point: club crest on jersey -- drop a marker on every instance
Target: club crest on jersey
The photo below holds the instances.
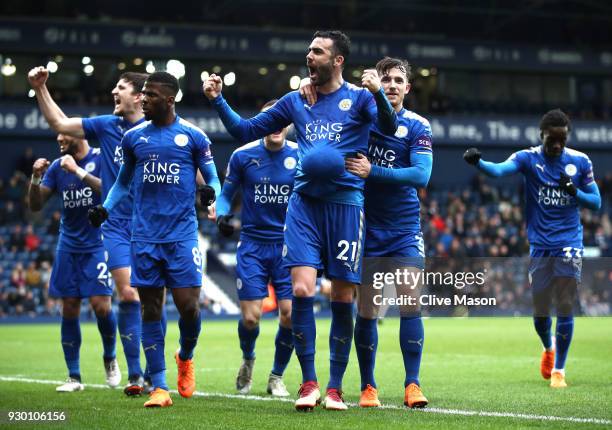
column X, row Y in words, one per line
column 570, row 170
column 290, row 163
column 90, row 167
column 402, row 131
column 345, row 104
column 181, row 139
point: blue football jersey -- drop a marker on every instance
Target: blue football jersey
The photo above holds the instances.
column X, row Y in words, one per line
column 266, row 180
column 341, row 120
column 76, row 234
column 393, row 206
column 552, row 215
column 108, row 130
column 165, row 160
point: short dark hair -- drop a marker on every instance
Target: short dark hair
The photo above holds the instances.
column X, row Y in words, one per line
column 269, row 103
column 342, row 43
column 555, row 118
column 136, row 79
column 165, row 79
column 388, row 63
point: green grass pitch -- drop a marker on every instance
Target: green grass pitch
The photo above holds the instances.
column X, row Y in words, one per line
column 469, row 366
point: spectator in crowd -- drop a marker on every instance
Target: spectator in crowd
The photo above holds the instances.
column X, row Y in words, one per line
column 25, row 162
column 15, row 191
column 10, row 213
column 18, row 276
column 31, row 241
column 17, row 239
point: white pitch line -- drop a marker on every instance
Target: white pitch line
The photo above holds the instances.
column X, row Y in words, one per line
column 461, row 412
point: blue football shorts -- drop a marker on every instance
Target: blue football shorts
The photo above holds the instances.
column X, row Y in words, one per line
column 324, row 235
column 260, row 263
column 547, row 264
column 117, row 236
column 406, row 248
column 80, row 274
column 170, row 265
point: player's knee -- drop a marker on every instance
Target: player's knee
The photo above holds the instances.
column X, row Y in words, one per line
column 301, row 289
column 565, row 309
column 71, row 309
column 101, row 307
column 343, row 294
column 127, row 293
column 190, row 311
column 250, row 321
column 285, row 319
column 151, row 313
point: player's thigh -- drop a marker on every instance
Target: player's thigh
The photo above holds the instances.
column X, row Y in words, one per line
column 342, row 291
column 565, row 290
column 304, row 281
column 183, row 264
column 370, row 292
column 146, row 265
column 410, row 289
column 71, row 307
column 284, row 312
column 151, row 302
column 303, row 243
column 187, row 301
column 540, row 279
column 252, row 273
column 280, row 276
column 567, row 263
column 121, row 276
column 344, row 233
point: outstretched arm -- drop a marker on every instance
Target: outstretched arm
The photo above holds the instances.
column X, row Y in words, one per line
column 245, row 130
column 495, row 170
column 56, row 118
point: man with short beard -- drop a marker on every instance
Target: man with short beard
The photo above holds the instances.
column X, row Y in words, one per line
column 79, row 270
column 325, row 221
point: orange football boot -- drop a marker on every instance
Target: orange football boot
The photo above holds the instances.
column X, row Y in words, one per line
column 557, row 380
column 547, row 363
column 369, row 398
column 185, row 380
column 413, row 397
column 159, row 398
